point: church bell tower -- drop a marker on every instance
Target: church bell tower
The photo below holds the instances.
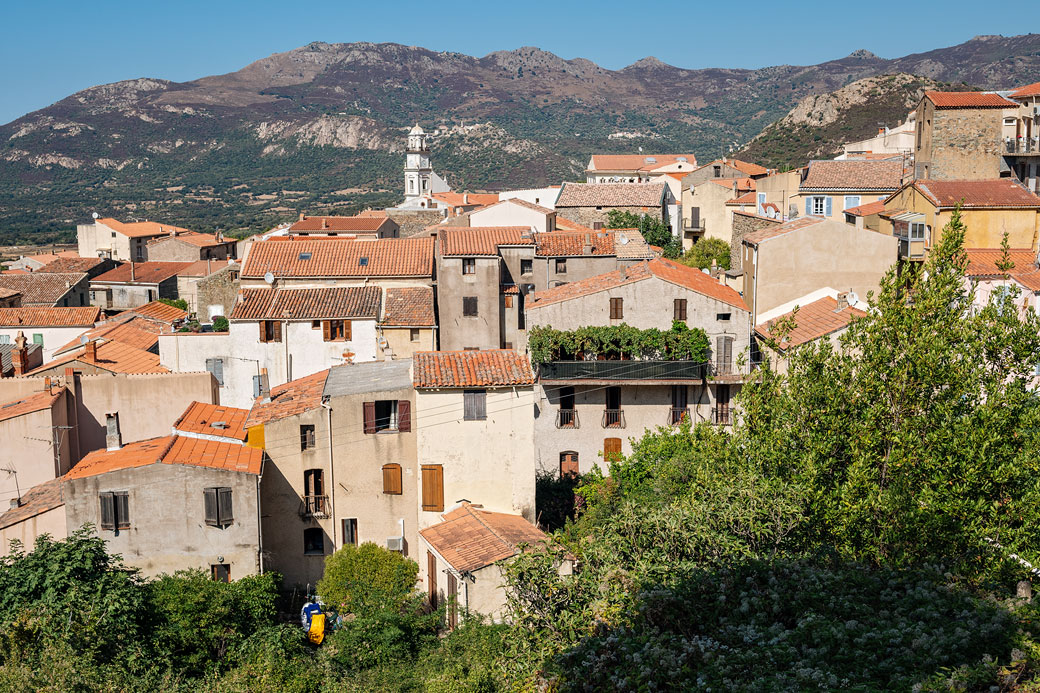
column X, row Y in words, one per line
column 418, row 174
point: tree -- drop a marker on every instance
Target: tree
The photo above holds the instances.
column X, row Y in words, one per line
column 701, row 254
column 654, row 231
column 175, row 302
column 367, row 579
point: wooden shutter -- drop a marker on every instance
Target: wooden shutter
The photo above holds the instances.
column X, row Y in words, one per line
column 392, row 479
column 404, row 416
column 370, row 417
column 509, row 301
column 263, row 330
column 453, row 599
column 326, row 330
column 347, row 330
column 108, row 513
column 474, row 405
column 277, row 331
column 680, row 309
column 122, row 508
column 433, row 488
column 568, row 464
column 218, row 371
column 611, row 449
column 617, row 311
column 431, row 578
column 227, row 516
column 210, row 495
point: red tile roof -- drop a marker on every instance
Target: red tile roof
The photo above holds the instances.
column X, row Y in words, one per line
column 50, row 317
column 471, row 538
column 667, row 270
column 369, row 223
column 814, row 320
column 199, row 418
column 409, row 307
column 199, row 240
column 34, row 502
column 140, row 333
column 157, row 310
column 867, row 210
column 611, row 195
column 994, row 192
column 290, row 399
column 853, row 175
column 524, row 203
column 565, row 224
column 42, row 288
column 307, row 304
column 29, row 404
column 72, row 265
column 756, row 237
column 466, row 199
column 139, row 229
column 570, row 244
column 204, row 268
column 638, row 162
column 480, row 240
column 484, row 368
column 141, row 273
column 745, row 167
column 982, row 262
column 195, row 452
column 1026, row 91
column 748, row 198
column 114, row 357
column 362, row 257
column 968, row 99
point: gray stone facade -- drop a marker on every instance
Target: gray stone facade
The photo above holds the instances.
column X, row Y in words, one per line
column 219, row 288
column 743, row 224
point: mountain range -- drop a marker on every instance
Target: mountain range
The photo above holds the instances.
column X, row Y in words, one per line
column 321, row 128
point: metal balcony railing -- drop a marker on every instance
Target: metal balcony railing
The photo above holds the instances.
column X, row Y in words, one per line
column 676, row 415
column 613, row 418
column 623, row 370
column 567, row 418
column 1020, row 145
column 693, row 225
column 315, row 506
column 720, row 416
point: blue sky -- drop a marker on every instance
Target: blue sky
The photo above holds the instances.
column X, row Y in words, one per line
column 50, row 49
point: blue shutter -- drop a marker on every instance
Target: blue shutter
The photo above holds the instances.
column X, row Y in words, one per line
column 827, row 211
column 808, row 206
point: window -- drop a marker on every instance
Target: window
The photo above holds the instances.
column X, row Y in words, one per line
column 611, row 449
column 305, row 256
column 5, row 339
column 724, row 354
column 561, row 265
column 350, row 531
column 679, row 312
column 270, row 331
column 392, row 479
column 313, row 492
column 469, row 306
column 306, row 436
column 469, row 265
column 568, row 464
column 220, row 572
column 723, row 317
column 115, row 510
column 218, row 507
column 216, row 367
column 390, row 415
column 37, row 338
column 336, row 330
column 315, row 324
column 314, row 541
column 526, row 266
column 568, row 417
column 917, row 232
column 433, row 488
column 617, row 308
column 851, row 201
column 680, row 402
column 819, row 206
column 716, row 171
column 474, row 405
column 413, row 334
column 612, row 417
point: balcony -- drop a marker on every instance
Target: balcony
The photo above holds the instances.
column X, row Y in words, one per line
column 720, row 416
column 676, row 415
column 1020, row 146
column 567, row 418
column 315, row 506
column 911, row 249
column 693, row 226
column 613, row 418
column 623, row 370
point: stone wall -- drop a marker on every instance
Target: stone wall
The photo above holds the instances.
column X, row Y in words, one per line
column 414, row 222
column 965, row 144
column 587, row 216
column 220, row 287
column 743, row 224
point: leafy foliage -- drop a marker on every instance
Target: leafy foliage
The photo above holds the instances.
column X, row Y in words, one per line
column 654, row 231
column 704, row 251
column 175, row 302
column 220, row 324
column 367, row 579
column 681, row 343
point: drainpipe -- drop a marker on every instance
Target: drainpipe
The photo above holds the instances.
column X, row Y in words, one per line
column 332, row 473
column 259, row 523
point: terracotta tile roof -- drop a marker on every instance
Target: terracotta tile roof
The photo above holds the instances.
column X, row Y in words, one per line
column 373, row 213
column 667, row 270
column 72, row 265
column 140, row 229
column 194, row 452
column 1026, row 91
column 480, row 240
column 742, row 183
column 307, row 304
column 510, row 290
column 84, row 316
column 471, row 538
column 204, row 268
column 982, row 264
column 47, row 258
column 34, row 352
column 15, row 271
column 565, row 224
column 611, row 195
column 114, row 357
column 524, row 203
column 41, row 288
column 756, row 237
column 472, row 199
column 157, row 310
column 143, row 272
column 29, row 404
column 814, row 320
column 36, row 501
column 8, row 293
column 748, row 198
column 570, row 244
column 745, row 167
column 369, row 223
column 290, row 399
column 484, row 368
column 199, row 418
column 876, row 207
column 140, row 333
column 995, row 192
column 853, row 175
column 968, row 99
column 384, row 257
column 638, row 162
column 409, row 307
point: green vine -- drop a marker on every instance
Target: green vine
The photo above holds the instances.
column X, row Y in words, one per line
column 618, row 342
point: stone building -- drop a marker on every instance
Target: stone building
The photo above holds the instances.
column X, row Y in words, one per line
column 49, row 289
column 216, row 293
column 960, row 135
column 188, row 246
column 122, row 242
column 589, row 203
column 134, row 284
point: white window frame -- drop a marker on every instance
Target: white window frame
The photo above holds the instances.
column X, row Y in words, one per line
column 857, row 198
column 917, row 231
column 819, row 205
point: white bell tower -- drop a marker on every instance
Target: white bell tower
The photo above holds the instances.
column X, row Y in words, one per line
column 418, row 174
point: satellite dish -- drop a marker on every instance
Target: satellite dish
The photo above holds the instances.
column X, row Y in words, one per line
column 95, row 215
column 623, row 240
column 852, row 298
column 269, row 278
column 83, row 339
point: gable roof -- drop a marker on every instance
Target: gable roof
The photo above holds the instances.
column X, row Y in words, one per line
column 748, row 198
column 667, row 270
column 73, row 265
column 139, row 229
column 36, row 501
column 84, row 316
column 141, row 273
column 982, row 262
column 871, row 208
column 756, row 237
column 193, row 238
column 471, row 538
column 6, row 359
column 199, row 419
column 813, row 320
column 357, row 257
column 745, row 167
column 140, row 333
column 611, row 195
column 115, row 357
column 1026, row 91
column 307, row 304
column 42, row 288
column 29, row 404
column 289, row 399
column 604, row 242
column 409, row 307
column 157, row 310
column 994, row 192
column 968, row 99
column 475, row 368
column 230, row 456
column 204, row 268
column 481, row 240
column 639, row 162
column 367, row 222
column 466, row 199
column 853, row 175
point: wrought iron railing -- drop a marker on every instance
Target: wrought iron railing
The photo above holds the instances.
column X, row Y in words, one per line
column 567, row 418
column 1021, row 145
column 613, row 418
column 623, row 370
column 315, row 506
column 721, row 416
column 676, row 415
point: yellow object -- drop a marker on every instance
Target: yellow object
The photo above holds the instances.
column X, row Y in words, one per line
column 317, row 632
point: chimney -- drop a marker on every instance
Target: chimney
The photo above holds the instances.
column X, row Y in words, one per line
column 843, row 301
column 586, row 248
column 263, row 386
column 16, row 503
column 113, row 438
column 20, row 355
column 219, row 235
column 302, row 216
column 133, row 274
column 324, row 222
column 91, row 351
column 465, row 198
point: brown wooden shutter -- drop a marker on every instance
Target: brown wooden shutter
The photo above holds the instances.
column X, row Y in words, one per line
column 680, row 309
column 210, row 496
column 346, row 330
column 326, row 330
column 617, row 311
column 404, row 416
column 108, row 513
column 370, row 417
column 227, row 516
column 568, row 464
column 509, row 301
column 392, row 479
column 433, row 488
column 263, row 330
column 431, row 578
column 122, row 503
column 277, row 331
column 453, row 599
column 611, row 449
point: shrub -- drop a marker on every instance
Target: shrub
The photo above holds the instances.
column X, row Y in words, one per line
column 383, row 637
column 175, row 302
column 706, row 250
column 367, row 579
column 220, row 324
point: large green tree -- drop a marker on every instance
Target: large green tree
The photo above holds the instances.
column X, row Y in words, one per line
column 653, row 229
